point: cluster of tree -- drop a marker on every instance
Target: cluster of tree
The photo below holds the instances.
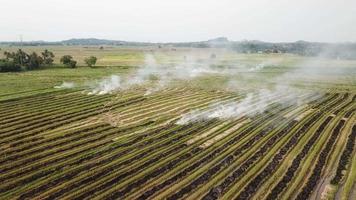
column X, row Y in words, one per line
column 68, row 61
column 20, row 60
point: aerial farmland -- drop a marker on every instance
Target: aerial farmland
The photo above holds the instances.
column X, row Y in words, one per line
column 169, row 124
column 173, row 100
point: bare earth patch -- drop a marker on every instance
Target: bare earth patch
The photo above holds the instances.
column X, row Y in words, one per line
column 224, row 134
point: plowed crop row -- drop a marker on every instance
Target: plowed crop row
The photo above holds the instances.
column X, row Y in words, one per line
column 67, row 145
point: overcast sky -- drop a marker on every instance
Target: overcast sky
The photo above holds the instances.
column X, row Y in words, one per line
column 179, row 20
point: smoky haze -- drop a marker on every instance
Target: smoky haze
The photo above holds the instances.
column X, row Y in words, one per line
column 178, row 21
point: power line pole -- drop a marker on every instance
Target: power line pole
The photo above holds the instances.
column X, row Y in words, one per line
column 21, row 50
column 21, row 40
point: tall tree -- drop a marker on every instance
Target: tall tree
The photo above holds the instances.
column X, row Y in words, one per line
column 47, row 57
column 34, row 61
column 21, row 57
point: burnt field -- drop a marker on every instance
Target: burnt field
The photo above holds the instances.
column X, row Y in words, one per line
column 65, row 144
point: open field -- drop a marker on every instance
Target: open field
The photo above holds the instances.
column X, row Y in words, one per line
column 65, row 143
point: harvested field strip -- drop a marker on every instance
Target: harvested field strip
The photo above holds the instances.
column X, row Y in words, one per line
column 347, row 190
column 352, row 101
column 48, row 141
column 324, row 188
column 278, row 159
column 40, row 116
column 18, row 111
column 51, row 160
column 33, row 98
column 170, row 164
column 296, row 162
column 118, row 119
column 17, row 142
column 21, row 95
column 177, row 110
column 158, row 99
column 51, row 135
column 50, row 103
column 318, row 168
column 56, row 157
column 34, row 119
column 18, row 151
column 174, row 119
column 32, row 103
column 129, row 171
column 212, row 169
column 304, row 171
column 169, row 109
column 73, row 161
column 243, row 134
column 187, row 169
column 156, row 108
column 174, row 178
column 85, row 104
column 49, row 114
column 348, row 113
column 153, row 103
column 274, row 134
column 238, row 171
column 105, row 133
column 252, row 187
column 278, row 188
column 345, row 156
column 114, row 164
column 56, row 122
column 22, row 92
column 228, row 182
column 224, row 134
column 165, row 182
column 44, row 110
column 206, row 134
column 129, row 147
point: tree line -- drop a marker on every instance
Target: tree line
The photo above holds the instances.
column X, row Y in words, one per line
column 22, row 61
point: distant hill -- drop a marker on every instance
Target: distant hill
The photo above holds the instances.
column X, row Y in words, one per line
column 336, row 50
column 91, row 41
column 95, row 41
column 79, row 41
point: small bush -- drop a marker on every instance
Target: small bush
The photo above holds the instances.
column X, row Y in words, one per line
column 73, row 64
column 91, row 61
column 9, row 66
column 68, row 61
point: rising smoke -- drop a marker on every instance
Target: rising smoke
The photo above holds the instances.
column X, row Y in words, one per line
column 288, row 88
column 249, row 106
column 65, row 85
column 155, row 76
column 107, row 85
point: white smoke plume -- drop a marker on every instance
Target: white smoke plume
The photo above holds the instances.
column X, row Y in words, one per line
column 107, row 85
column 258, row 67
column 155, row 75
column 65, row 85
column 251, row 105
column 291, row 87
